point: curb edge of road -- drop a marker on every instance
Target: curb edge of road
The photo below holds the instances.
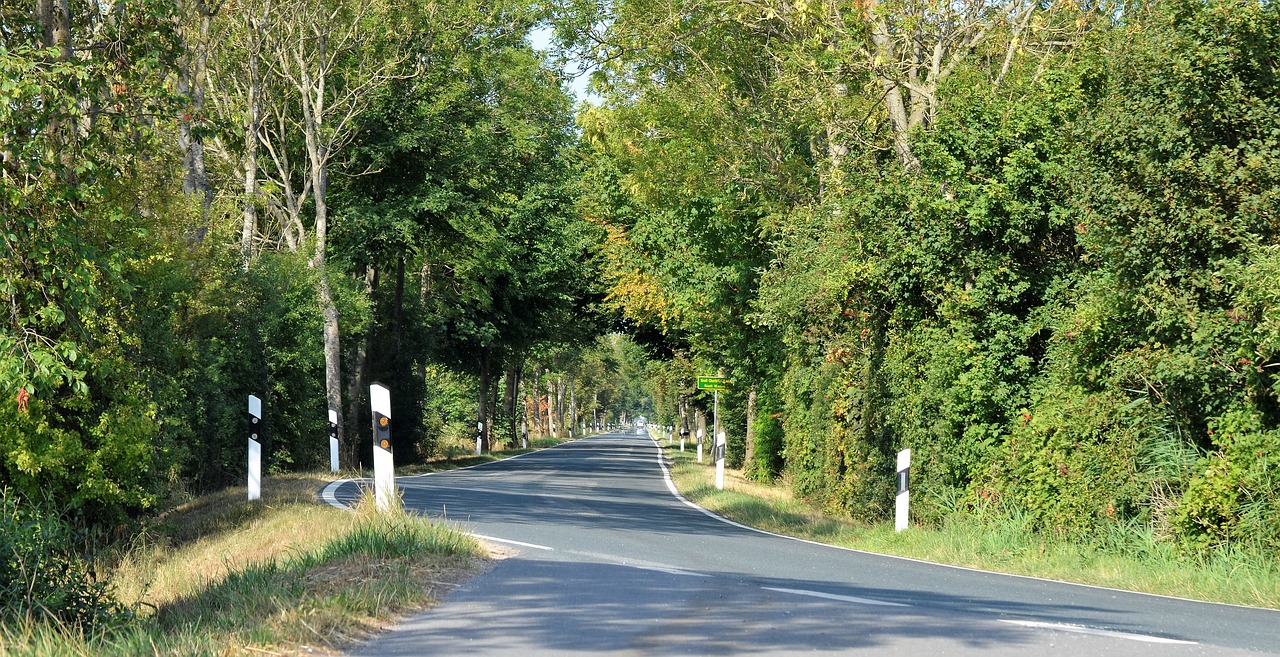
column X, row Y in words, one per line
column 671, row 486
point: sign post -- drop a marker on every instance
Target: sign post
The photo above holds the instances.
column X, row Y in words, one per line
column 479, row 438
column 333, row 440
column 255, row 448
column 716, row 384
column 384, row 468
column 904, row 486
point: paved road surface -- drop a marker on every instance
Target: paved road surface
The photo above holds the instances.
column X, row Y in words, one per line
column 610, row 562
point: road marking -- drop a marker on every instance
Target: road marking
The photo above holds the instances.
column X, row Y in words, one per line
column 671, row 486
column 669, row 571
column 1081, row 629
column 511, row 542
column 832, row 596
column 330, row 494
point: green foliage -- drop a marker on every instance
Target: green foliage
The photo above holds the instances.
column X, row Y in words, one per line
column 43, row 574
column 1071, row 467
column 1052, row 310
column 766, row 462
column 1233, row 495
column 212, row 336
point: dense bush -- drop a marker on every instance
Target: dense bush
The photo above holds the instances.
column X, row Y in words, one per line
column 1071, row 307
column 43, row 574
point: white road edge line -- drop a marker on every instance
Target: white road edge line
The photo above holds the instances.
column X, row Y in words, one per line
column 669, row 571
column 841, row 598
column 510, row 542
column 666, row 475
column 1082, row 629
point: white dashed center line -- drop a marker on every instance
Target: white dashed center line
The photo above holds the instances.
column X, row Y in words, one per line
column 1080, row 629
column 832, row 596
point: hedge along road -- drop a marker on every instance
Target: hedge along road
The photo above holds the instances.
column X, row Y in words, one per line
column 609, row 560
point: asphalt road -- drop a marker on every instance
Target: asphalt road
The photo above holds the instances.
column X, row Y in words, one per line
column 610, row 562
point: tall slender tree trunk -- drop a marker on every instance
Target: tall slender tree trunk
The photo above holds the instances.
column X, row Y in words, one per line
column 483, row 412
column 192, row 79
column 252, row 130
column 551, row 408
column 359, row 379
column 573, row 409
column 560, row 405
column 313, row 109
column 398, row 316
column 510, row 401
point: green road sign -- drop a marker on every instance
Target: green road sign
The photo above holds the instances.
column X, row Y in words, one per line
column 713, row 383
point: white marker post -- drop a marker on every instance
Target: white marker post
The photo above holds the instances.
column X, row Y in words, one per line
column 524, row 434
column 255, row 448
column 333, row 440
column 904, row 485
column 384, row 466
column 479, row 438
column 699, row 444
column 720, row 449
column 684, row 435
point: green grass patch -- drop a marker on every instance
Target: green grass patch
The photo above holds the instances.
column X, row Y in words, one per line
column 1130, row 557
column 287, row 575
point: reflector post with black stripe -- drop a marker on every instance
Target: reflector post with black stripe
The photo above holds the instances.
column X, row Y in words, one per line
column 384, row 469
column 904, row 490
column 333, row 440
column 255, row 448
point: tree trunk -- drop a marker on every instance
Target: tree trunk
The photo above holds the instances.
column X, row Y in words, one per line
column 751, row 428
column 509, row 401
column 551, row 408
column 398, row 316
column 44, row 16
column 483, row 412
column 573, row 410
column 318, row 156
column 359, row 381
column 560, row 406
column 192, row 80
column 252, row 128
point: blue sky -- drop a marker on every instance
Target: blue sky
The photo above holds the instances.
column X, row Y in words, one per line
column 540, row 38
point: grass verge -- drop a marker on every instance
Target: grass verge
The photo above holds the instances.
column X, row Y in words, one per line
column 284, row 576
column 1132, row 559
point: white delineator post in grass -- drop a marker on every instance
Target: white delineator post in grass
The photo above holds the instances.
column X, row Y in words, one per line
column 333, row 440
column 255, row 448
column 479, row 438
column 699, row 444
column 904, row 486
column 720, row 450
column 384, row 467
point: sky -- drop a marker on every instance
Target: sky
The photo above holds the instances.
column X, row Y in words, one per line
column 540, row 38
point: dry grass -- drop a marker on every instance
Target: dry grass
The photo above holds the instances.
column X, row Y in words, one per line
column 220, row 576
column 201, row 541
